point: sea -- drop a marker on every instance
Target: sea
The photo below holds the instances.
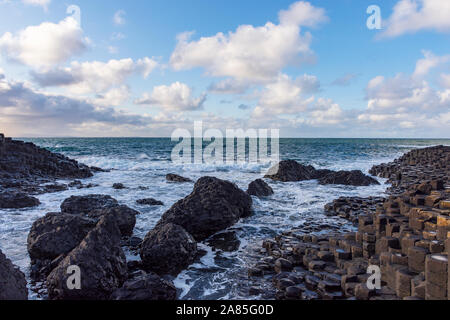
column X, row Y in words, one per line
column 144, row 162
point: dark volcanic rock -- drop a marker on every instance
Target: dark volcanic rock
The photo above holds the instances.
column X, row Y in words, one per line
column 118, row 186
column 17, row 200
column 348, row 178
column 149, row 202
column 212, row 206
column 13, row 285
column 168, row 249
column 259, row 188
column 57, row 234
column 95, row 206
column 24, row 166
column 176, row 178
column 125, row 217
column 226, row 241
column 86, row 204
column 146, row 287
column 290, row 170
column 101, row 261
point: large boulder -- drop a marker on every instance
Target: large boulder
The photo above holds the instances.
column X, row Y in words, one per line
column 349, row 178
column 101, row 262
column 13, row 285
column 86, row 204
column 149, row 202
column 146, row 287
column 56, row 234
column 168, row 249
column 17, row 200
column 259, row 188
column 292, row 171
column 95, row 206
column 212, row 206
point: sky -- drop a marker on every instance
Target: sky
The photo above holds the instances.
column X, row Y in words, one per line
column 146, row 68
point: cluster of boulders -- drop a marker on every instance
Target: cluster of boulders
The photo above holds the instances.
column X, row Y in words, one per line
column 90, row 231
column 407, row 236
column 213, row 206
column 415, row 167
column 27, row 170
column 292, row 171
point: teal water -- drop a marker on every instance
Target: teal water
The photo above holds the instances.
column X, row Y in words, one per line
column 138, row 162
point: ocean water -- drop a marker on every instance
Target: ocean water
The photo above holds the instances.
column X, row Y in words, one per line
column 144, row 162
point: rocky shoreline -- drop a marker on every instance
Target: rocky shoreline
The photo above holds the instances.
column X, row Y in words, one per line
column 309, row 262
column 406, row 235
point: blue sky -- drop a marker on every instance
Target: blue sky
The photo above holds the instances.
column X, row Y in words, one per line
column 313, row 70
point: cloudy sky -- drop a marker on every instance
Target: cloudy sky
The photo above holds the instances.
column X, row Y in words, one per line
column 146, row 68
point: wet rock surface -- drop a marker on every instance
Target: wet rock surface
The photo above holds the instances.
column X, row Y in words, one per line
column 348, row 178
column 17, row 200
column 176, row 178
column 292, row 171
column 24, row 167
column 212, row 206
column 351, row 208
column 86, row 204
column 259, row 188
column 168, row 249
column 149, row 202
column 13, row 285
column 101, row 261
column 146, row 287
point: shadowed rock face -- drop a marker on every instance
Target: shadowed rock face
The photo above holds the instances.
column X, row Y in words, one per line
column 17, row 200
column 101, row 261
column 259, row 188
column 212, row 206
column 57, row 234
column 13, row 285
column 348, row 178
column 168, row 249
column 146, row 287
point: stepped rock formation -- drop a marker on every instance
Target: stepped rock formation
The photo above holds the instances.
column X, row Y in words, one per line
column 407, row 236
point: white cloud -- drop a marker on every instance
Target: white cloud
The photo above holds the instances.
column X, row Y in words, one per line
column 287, row 96
column 25, row 110
column 253, row 54
column 177, row 96
column 410, row 16
column 114, row 97
column 41, row 3
column 44, row 45
column 95, row 76
column 430, row 61
column 228, row 86
column 302, row 13
column 119, row 18
column 444, row 80
column 408, row 102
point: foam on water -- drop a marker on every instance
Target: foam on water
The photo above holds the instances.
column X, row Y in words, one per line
column 145, row 163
